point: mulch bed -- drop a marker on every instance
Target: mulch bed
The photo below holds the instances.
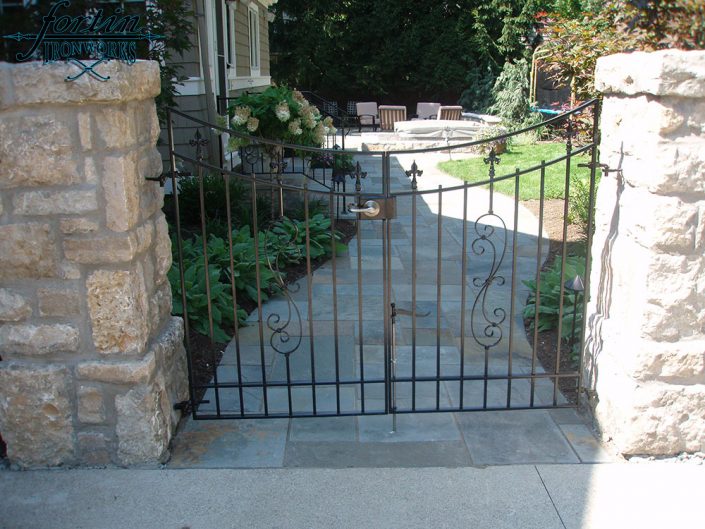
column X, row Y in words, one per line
column 547, row 343
column 205, row 355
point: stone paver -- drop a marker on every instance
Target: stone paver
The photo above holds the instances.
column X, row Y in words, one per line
column 433, row 349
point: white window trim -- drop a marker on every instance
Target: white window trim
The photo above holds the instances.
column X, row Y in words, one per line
column 253, row 8
column 231, row 51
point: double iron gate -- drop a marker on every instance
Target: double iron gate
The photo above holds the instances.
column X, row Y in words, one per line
column 424, row 309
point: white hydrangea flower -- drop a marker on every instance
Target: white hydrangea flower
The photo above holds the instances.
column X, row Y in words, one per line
column 252, row 124
column 242, row 114
column 282, row 111
column 295, row 127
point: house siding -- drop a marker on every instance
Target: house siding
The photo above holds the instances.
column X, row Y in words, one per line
column 263, row 42
column 242, row 41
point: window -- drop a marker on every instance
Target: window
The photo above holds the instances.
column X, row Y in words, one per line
column 254, row 41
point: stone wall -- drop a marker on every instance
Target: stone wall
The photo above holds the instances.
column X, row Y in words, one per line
column 92, row 360
column 646, row 318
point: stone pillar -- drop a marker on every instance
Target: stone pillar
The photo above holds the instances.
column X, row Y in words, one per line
column 645, row 344
column 92, row 361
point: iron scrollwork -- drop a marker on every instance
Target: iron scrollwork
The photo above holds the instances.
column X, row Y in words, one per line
column 282, row 340
column 488, row 240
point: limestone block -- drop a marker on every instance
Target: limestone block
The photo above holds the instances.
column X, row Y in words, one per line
column 77, row 225
column 670, row 226
column 116, row 127
column 38, row 339
column 69, row 270
column 91, row 408
column 93, row 448
column 58, row 302
column 85, row 133
column 142, row 425
column 650, row 417
column 159, row 305
column 121, row 191
column 127, row 372
column 35, row 414
column 2, row 208
column 118, row 308
column 36, row 83
column 679, row 362
column 661, row 73
column 674, row 306
column 149, row 164
column 151, row 199
column 171, row 356
column 36, row 149
column 13, row 306
column 146, row 122
column 55, row 202
column 27, row 250
column 7, row 99
column 113, row 248
column 162, row 250
column 90, row 171
column 143, row 236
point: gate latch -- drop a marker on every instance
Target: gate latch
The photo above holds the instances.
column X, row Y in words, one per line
column 375, row 208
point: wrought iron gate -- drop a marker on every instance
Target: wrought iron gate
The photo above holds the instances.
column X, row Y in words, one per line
column 424, row 310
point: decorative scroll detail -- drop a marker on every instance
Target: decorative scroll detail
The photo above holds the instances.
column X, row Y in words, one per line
column 488, row 240
column 282, row 340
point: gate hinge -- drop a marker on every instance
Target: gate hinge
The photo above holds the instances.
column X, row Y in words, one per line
column 162, row 177
column 186, row 405
column 606, row 169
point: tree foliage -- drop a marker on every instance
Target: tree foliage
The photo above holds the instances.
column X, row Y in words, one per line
column 574, row 42
column 399, row 51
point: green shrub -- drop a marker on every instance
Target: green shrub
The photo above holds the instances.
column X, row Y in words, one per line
column 579, row 203
column 511, row 93
column 214, row 199
column 284, row 244
column 551, row 295
column 197, row 299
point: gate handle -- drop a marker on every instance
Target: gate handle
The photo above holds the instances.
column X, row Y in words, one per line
column 370, row 208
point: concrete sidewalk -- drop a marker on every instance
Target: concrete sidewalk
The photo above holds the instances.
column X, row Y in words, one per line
column 626, row 495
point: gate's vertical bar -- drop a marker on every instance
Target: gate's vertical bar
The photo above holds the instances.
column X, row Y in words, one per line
column 358, row 189
column 236, row 336
column 393, row 388
column 309, row 282
column 206, row 272
column 180, row 251
column 258, row 281
column 512, row 302
column 336, row 345
column 537, row 299
column 588, row 251
column 386, row 244
column 414, row 188
column 439, row 279
column 564, row 255
column 463, row 293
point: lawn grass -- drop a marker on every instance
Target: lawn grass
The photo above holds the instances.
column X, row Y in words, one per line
column 523, row 156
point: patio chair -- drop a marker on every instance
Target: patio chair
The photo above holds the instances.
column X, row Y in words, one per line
column 450, row 112
column 389, row 115
column 427, row 110
column 367, row 115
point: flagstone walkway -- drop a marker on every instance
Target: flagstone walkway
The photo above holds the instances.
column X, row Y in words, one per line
column 344, row 345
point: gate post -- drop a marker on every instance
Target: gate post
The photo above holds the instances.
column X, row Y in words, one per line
column 645, row 342
column 92, row 361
